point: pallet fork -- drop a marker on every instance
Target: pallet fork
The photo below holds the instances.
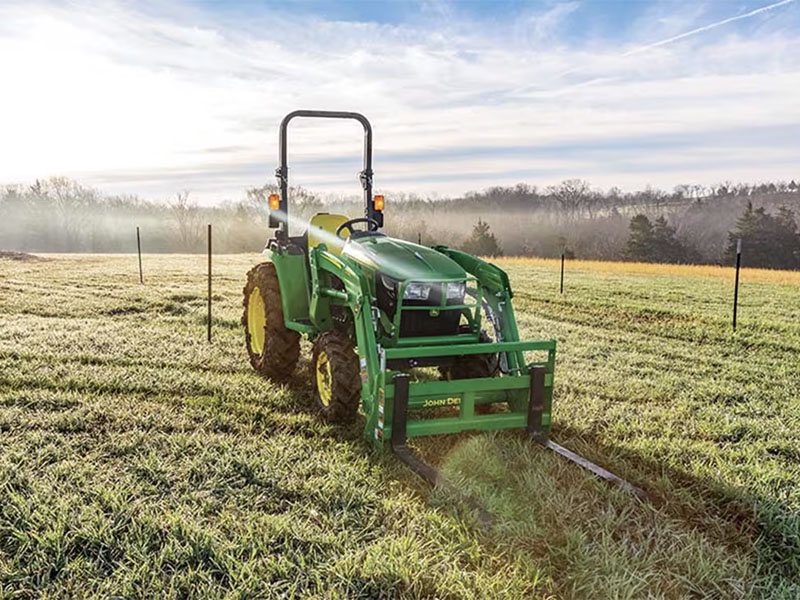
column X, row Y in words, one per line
column 535, row 431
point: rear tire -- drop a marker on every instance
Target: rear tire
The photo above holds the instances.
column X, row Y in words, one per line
column 336, row 377
column 273, row 349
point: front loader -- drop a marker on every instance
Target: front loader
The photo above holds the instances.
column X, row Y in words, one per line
column 422, row 339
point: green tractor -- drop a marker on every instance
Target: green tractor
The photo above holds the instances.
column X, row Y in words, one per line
column 379, row 310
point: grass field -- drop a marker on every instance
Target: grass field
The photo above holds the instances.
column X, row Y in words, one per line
column 137, row 460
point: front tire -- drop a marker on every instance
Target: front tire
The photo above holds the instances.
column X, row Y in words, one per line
column 336, row 377
column 473, row 366
column 273, row 349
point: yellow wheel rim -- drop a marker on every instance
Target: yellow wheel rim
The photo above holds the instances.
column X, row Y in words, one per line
column 324, row 379
column 256, row 321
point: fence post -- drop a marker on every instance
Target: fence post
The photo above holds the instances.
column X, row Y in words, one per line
column 419, row 238
column 736, row 285
column 562, row 271
column 209, row 283
column 139, row 250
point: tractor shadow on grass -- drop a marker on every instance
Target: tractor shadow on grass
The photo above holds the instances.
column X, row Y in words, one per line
column 766, row 529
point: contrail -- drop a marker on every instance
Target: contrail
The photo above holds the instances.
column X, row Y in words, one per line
column 686, row 34
column 647, row 47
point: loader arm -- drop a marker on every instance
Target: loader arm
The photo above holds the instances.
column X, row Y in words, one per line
column 497, row 295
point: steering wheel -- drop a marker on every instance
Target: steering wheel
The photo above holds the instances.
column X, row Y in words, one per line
column 372, row 225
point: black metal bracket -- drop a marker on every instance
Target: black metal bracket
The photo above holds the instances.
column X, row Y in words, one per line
column 282, row 174
column 536, row 403
column 365, row 177
column 399, row 420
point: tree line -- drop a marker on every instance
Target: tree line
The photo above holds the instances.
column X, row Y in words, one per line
column 770, row 241
column 691, row 223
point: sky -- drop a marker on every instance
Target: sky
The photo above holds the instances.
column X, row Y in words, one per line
column 152, row 98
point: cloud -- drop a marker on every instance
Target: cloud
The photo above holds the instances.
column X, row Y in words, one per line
column 155, row 98
column 543, row 27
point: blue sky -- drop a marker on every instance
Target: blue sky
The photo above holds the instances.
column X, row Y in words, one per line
column 152, row 98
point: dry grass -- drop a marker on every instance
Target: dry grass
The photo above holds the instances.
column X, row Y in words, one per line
column 661, row 270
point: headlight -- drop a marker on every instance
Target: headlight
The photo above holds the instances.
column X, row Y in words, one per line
column 455, row 291
column 417, row 291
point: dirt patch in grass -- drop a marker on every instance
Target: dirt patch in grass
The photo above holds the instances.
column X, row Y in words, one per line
column 20, row 256
column 125, row 310
column 173, row 308
column 186, row 298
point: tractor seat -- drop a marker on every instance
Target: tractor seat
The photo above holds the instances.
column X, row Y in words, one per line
column 322, row 230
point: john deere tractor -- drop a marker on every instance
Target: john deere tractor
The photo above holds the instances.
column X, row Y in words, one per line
column 383, row 314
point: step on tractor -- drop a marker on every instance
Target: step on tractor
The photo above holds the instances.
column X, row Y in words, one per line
column 422, row 339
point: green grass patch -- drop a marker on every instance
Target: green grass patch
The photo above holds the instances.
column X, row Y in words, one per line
column 137, row 460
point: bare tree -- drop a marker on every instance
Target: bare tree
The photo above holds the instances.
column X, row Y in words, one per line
column 571, row 195
column 71, row 203
column 188, row 222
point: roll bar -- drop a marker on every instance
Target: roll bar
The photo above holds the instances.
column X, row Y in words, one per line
column 282, row 172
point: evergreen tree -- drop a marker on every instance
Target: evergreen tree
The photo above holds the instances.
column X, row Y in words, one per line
column 787, row 238
column 640, row 242
column 664, row 242
column 666, row 245
column 655, row 242
column 768, row 241
column 482, row 242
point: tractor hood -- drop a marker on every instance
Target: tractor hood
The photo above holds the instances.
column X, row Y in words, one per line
column 401, row 259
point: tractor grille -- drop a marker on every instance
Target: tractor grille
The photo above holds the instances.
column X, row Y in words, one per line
column 417, row 323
